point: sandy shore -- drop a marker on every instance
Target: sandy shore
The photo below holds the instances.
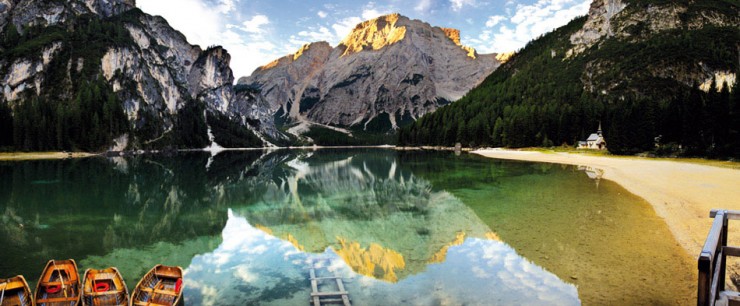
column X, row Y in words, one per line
column 681, row 193
column 41, row 155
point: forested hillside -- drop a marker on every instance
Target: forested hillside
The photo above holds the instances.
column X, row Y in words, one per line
column 108, row 76
column 642, row 83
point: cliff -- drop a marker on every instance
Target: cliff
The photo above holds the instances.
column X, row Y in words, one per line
column 386, row 73
column 65, row 56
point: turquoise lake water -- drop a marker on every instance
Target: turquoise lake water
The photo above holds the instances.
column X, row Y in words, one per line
column 399, row 228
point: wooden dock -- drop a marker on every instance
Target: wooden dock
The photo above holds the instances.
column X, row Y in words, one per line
column 712, row 262
column 318, row 298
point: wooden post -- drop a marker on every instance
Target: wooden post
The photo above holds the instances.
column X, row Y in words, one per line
column 705, row 278
column 708, row 259
column 722, row 244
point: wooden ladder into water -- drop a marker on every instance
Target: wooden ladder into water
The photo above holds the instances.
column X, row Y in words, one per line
column 318, row 298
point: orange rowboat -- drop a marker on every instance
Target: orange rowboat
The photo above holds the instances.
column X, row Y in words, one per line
column 161, row 286
column 104, row 287
column 59, row 284
column 15, row 292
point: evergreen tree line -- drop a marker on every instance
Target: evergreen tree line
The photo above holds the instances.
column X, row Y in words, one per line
column 540, row 98
column 694, row 123
column 77, row 109
column 88, row 122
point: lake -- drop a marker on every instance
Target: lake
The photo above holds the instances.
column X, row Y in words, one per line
column 399, row 228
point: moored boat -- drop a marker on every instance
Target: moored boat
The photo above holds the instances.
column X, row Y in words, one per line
column 14, row 291
column 162, row 285
column 59, row 284
column 104, row 287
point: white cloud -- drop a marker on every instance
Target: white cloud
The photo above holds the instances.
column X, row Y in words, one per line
column 371, row 11
column 423, row 6
column 227, row 6
column 343, row 27
column 368, row 14
column 309, row 36
column 457, row 5
column 200, row 32
column 494, row 20
column 248, row 50
column 529, row 22
column 322, row 14
column 255, row 25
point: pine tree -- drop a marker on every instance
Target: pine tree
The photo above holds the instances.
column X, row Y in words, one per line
column 498, row 129
column 12, row 37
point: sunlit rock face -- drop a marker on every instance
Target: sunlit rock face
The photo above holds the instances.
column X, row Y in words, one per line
column 390, row 69
column 382, row 222
column 374, row 34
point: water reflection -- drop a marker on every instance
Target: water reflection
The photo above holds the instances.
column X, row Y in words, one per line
column 251, row 266
column 246, row 224
column 398, row 238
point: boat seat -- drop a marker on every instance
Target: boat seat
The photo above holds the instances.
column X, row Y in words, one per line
column 105, row 276
column 167, row 275
column 57, row 300
column 103, row 293
column 13, row 286
column 68, row 284
column 164, row 292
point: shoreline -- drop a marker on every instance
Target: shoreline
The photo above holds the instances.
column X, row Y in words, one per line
column 21, row 156
column 681, row 193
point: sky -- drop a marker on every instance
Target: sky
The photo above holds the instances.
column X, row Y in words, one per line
column 256, row 32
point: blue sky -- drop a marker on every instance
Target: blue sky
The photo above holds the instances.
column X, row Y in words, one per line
column 256, row 32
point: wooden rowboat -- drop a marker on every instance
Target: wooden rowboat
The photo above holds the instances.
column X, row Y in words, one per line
column 59, row 284
column 104, row 287
column 15, row 292
column 161, row 286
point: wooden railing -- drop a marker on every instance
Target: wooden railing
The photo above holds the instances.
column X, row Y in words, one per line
column 713, row 259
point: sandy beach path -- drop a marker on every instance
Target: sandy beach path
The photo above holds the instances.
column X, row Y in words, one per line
column 681, row 193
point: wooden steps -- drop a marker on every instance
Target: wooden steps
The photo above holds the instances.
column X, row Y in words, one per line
column 318, row 298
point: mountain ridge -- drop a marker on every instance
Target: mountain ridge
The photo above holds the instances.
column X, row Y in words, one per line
column 393, row 69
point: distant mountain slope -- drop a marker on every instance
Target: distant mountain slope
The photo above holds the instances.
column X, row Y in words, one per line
column 385, row 74
column 97, row 74
column 647, row 69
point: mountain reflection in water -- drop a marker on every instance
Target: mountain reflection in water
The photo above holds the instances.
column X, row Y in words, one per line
column 392, row 237
column 253, row 266
column 246, row 225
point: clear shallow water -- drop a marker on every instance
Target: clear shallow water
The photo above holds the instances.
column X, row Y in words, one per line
column 400, row 228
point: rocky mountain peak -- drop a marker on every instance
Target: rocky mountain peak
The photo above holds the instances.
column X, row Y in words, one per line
column 308, row 53
column 386, row 73
column 374, row 34
column 454, row 35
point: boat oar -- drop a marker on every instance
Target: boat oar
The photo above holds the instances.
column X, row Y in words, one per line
column 61, row 277
column 2, row 295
